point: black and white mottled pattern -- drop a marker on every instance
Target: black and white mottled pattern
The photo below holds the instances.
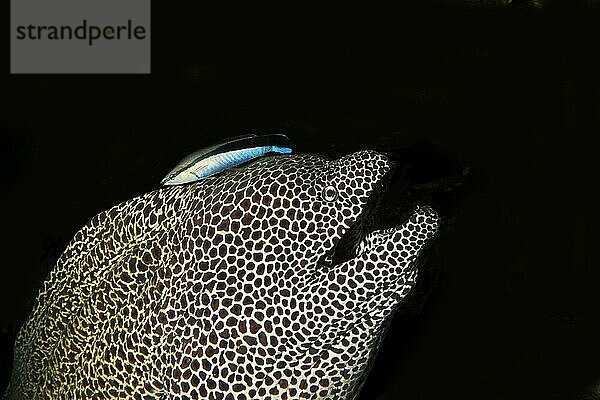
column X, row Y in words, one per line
column 225, row 289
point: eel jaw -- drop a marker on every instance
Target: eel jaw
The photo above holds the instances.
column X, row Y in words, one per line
column 345, row 248
column 378, row 237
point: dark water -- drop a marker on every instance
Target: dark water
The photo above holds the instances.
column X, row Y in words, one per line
column 490, row 111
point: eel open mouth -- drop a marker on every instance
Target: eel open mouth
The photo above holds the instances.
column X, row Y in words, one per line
column 376, row 220
column 348, row 245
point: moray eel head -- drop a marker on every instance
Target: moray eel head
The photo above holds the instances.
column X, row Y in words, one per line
column 320, row 283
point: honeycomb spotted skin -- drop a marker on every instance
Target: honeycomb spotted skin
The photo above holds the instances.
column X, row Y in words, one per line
column 218, row 289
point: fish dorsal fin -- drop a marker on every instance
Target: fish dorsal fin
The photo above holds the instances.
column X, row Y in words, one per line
column 224, row 155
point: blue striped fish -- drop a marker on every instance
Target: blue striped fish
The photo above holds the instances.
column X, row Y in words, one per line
column 227, row 154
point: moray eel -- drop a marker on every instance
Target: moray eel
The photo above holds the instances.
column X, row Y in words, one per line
column 221, row 289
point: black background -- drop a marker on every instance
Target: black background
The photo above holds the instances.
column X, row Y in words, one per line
column 493, row 106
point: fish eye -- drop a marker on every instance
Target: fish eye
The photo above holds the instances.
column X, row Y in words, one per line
column 330, row 193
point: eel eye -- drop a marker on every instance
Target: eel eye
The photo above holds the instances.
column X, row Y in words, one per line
column 330, row 193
